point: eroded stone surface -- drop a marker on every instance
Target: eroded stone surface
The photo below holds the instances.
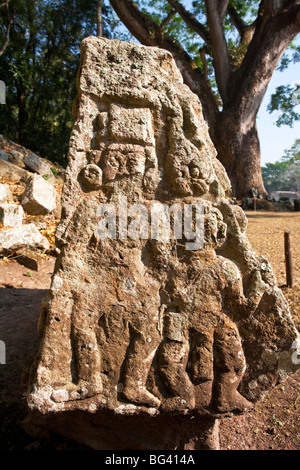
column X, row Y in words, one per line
column 5, row 193
column 11, row 215
column 153, row 325
column 39, row 196
column 13, row 172
column 13, row 239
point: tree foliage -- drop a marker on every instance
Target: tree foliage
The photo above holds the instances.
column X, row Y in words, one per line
column 284, row 175
column 226, row 51
column 39, row 68
column 286, row 101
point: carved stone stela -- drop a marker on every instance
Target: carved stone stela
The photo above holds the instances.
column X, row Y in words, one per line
column 141, row 324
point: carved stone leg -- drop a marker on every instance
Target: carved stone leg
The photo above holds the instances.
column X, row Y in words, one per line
column 136, row 369
column 172, row 367
column 201, row 367
column 230, row 366
column 88, row 363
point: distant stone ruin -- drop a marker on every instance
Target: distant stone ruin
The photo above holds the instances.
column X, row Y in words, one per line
column 290, row 195
column 159, row 310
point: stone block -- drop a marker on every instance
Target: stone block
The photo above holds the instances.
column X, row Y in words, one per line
column 15, row 238
column 13, row 172
column 11, row 215
column 29, row 258
column 38, row 165
column 5, row 193
column 39, row 197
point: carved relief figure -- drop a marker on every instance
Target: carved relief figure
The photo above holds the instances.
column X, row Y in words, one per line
column 123, row 161
column 133, row 324
column 123, row 149
column 201, row 357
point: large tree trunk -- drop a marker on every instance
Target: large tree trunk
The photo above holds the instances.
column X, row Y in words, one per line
column 239, row 151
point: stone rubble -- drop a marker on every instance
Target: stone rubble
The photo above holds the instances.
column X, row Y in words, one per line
column 5, row 193
column 11, row 215
column 42, row 193
column 39, row 197
column 25, row 235
column 34, row 163
column 13, row 172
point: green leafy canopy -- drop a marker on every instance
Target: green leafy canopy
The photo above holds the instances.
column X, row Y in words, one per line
column 284, row 175
column 39, row 67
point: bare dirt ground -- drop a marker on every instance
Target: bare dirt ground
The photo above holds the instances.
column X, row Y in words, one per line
column 273, row 424
column 266, row 234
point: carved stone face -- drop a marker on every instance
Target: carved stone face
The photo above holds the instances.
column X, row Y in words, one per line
column 189, row 171
column 215, row 229
column 92, row 176
column 122, row 162
column 123, row 148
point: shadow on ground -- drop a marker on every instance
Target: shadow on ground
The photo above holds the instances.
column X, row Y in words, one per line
column 19, row 313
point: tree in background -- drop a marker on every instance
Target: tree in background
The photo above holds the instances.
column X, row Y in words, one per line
column 5, row 24
column 39, row 67
column 284, row 175
column 227, row 51
column 286, row 99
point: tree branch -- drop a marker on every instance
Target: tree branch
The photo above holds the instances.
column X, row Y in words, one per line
column 272, row 36
column 204, row 62
column 191, row 21
column 222, row 8
column 150, row 34
column 245, row 31
column 8, row 27
column 271, row 7
column 99, row 18
column 167, row 19
column 6, row 41
column 237, row 20
column 203, row 51
column 219, row 48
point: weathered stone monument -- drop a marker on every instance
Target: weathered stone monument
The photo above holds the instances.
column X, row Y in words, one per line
column 160, row 317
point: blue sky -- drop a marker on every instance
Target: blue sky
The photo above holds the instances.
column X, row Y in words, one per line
column 275, row 140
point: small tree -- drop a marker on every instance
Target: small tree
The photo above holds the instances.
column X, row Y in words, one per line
column 284, row 175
